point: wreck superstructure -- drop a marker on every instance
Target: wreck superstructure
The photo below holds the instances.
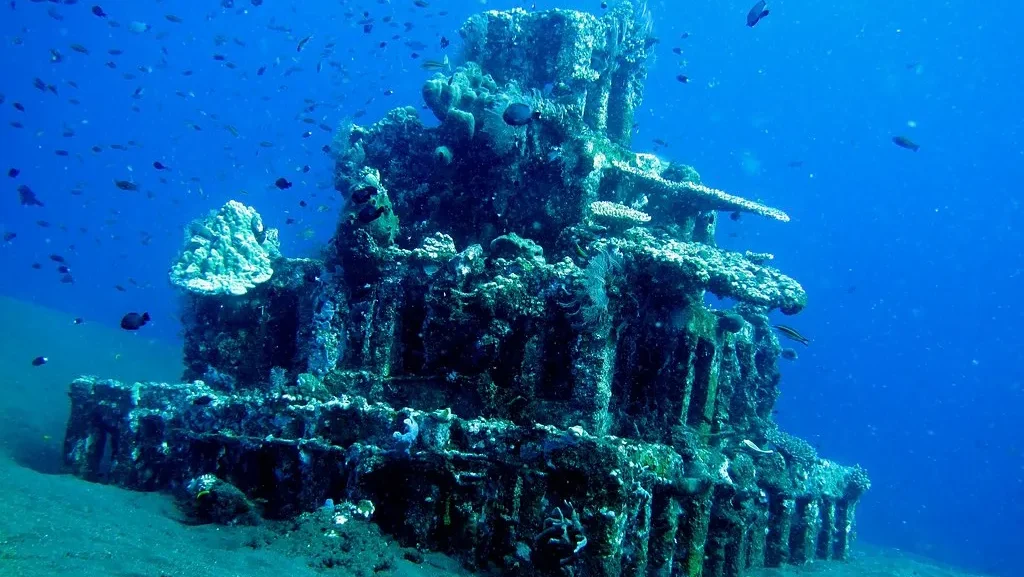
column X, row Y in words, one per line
column 506, row 347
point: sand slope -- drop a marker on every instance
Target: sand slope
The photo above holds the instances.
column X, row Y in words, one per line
column 33, row 400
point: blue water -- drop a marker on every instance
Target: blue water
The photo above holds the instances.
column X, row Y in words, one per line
column 913, row 260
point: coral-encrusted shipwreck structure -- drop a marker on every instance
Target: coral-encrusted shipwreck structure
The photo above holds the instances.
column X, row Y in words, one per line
column 506, row 347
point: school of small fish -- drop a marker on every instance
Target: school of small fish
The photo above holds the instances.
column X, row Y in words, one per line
column 360, row 46
column 230, row 110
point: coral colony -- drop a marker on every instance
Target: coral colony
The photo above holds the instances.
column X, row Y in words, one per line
column 505, row 352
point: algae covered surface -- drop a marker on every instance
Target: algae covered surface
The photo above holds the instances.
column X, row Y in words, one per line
column 54, row 524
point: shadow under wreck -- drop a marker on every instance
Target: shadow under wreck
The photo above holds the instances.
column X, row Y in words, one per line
column 506, row 346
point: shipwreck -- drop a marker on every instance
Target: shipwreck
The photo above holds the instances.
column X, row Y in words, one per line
column 506, row 347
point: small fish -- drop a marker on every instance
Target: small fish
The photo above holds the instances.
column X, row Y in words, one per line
column 519, row 114
column 39, row 361
column 159, row 165
column 434, row 65
column 98, row 11
column 682, row 78
column 126, row 185
column 303, row 42
column 9, row 236
column 370, row 213
column 904, row 142
column 28, row 197
column 13, row 173
column 261, row 70
column 757, row 13
column 134, row 321
column 792, row 334
column 282, row 183
column 78, row 321
column 173, row 18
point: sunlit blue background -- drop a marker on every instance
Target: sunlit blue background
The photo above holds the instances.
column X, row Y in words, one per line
column 913, row 260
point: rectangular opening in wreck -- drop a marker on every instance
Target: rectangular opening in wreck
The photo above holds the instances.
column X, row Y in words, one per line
column 649, row 385
column 413, row 500
column 278, row 324
column 557, row 362
column 101, row 454
column 777, row 542
column 509, row 364
column 701, row 396
column 799, row 533
column 414, row 313
column 822, row 548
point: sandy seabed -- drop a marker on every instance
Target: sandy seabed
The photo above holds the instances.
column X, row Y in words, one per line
column 53, row 524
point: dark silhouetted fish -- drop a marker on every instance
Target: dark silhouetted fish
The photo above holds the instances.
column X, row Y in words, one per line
column 758, row 12
column 134, row 321
column 904, row 142
column 39, row 361
column 27, row 197
column 519, row 114
column 370, row 213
